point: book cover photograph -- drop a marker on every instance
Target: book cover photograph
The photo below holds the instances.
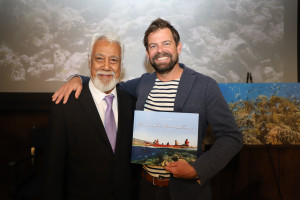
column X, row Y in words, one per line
column 161, row 137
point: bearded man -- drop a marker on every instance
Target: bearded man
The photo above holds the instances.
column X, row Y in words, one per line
column 88, row 154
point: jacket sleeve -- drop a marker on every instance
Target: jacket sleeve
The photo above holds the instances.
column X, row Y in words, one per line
column 229, row 140
column 84, row 79
column 131, row 86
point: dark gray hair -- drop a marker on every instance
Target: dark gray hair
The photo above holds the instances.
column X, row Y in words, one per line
column 160, row 24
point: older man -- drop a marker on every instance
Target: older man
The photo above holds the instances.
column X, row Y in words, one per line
column 88, row 155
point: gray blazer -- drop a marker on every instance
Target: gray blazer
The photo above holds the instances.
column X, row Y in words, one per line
column 197, row 93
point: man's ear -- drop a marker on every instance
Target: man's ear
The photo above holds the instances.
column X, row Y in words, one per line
column 147, row 54
column 89, row 62
column 179, row 46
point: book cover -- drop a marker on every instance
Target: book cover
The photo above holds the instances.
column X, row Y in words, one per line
column 160, row 137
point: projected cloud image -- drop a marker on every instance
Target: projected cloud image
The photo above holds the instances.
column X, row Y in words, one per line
column 47, row 40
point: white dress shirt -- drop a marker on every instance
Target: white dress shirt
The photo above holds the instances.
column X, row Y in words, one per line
column 101, row 104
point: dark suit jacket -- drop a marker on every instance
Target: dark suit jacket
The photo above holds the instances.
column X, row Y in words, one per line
column 80, row 163
column 197, row 94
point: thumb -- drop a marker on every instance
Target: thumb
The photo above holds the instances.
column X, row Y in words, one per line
column 171, row 164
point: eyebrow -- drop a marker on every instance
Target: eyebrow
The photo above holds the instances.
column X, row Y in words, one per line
column 99, row 54
column 162, row 42
column 113, row 56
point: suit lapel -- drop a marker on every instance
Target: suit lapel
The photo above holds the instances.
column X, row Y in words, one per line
column 125, row 115
column 186, row 83
column 87, row 101
column 121, row 106
column 147, row 84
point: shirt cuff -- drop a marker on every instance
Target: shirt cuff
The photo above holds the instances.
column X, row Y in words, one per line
column 74, row 75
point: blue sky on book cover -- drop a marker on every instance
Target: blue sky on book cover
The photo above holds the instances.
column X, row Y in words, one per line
column 155, row 135
column 181, row 126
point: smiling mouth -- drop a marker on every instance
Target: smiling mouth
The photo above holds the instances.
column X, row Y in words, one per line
column 105, row 76
column 162, row 58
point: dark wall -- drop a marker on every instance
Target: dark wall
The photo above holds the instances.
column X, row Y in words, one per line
column 19, row 114
column 16, row 139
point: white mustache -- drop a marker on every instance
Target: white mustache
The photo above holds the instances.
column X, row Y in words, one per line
column 105, row 73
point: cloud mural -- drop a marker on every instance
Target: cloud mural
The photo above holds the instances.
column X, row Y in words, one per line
column 47, row 40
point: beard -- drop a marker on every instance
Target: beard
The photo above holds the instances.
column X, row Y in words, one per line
column 104, row 86
column 163, row 68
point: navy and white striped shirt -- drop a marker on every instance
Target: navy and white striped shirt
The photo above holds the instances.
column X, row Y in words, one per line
column 161, row 98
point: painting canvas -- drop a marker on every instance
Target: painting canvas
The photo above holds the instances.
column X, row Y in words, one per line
column 266, row 113
column 161, row 137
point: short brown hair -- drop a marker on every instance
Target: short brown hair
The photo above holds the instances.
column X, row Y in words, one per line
column 160, row 24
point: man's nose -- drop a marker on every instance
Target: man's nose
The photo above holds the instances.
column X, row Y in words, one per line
column 106, row 65
column 160, row 48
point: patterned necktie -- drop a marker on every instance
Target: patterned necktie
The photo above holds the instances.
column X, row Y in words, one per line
column 110, row 124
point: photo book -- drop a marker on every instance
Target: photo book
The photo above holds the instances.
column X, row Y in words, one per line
column 162, row 137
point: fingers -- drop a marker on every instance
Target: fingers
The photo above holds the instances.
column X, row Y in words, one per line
column 181, row 169
column 172, row 170
column 171, row 167
column 78, row 91
column 61, row 94
column 54, row 96
column 58, row 99
column 66, row 95
column 176, row 163
column 74, row 84
column 58, row 95
column 171, row 164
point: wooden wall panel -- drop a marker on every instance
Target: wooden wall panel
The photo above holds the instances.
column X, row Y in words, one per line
column 262, row 173
column 290, row 173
